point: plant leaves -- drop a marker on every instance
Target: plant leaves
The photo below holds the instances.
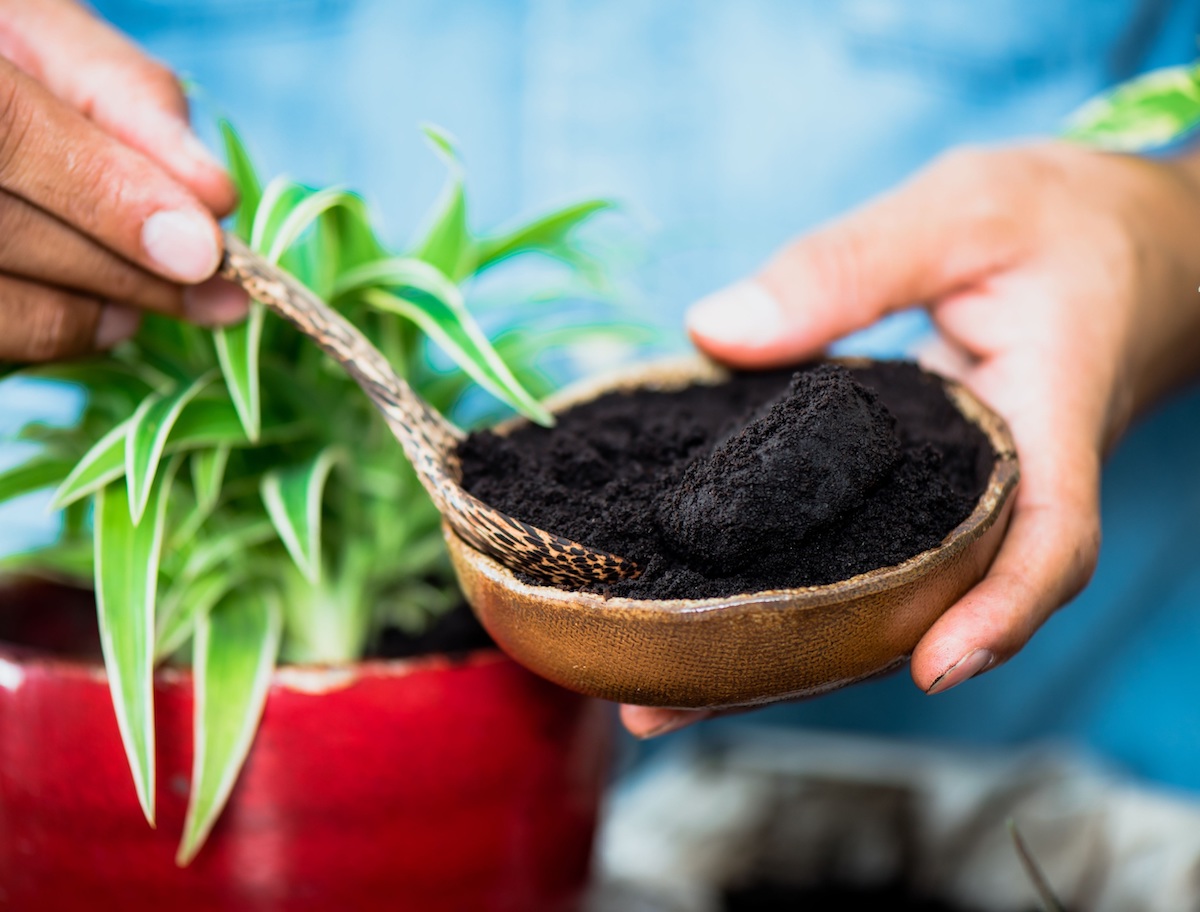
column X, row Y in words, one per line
column 399, row 272
column 176, row 349
column 238, row 346
column 146, row 438
column 39, row 472
column 357, row 242
column 101, row 464
column 237, row 353
column 546, row 234
column 126, row 587
column 204, row 423
column 1152, row 110
column 293, row 501
column 279, row 197
column 447, row 242
column 208, row 471
column 209, row 422
column 230, row 541
column 244, row 178
column 236, row 644
column 448, row 323
column 301, row 215
column 186, row 601
column 70, row 559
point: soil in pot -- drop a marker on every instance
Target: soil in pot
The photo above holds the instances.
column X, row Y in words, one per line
column 61, row 621
column 770, row 480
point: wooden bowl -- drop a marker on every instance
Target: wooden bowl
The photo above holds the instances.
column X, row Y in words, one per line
column 745, row 649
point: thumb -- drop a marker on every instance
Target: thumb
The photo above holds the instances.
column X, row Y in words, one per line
column 936, row 234
column 134, row 99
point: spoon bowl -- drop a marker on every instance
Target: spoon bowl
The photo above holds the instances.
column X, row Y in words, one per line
column 745, row 649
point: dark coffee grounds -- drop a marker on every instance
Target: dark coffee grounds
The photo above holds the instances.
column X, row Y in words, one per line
column 771, row 480
column 828, row 435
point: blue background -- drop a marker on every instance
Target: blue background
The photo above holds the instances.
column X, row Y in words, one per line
column 728, row 127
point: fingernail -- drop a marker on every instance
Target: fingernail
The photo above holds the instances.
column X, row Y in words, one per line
column 116, row 324
column 215, row 303
column 742, row 313
column 965, row 668
column 676, row 722
column 182, row 242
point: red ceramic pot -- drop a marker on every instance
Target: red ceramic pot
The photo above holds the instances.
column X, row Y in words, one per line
column 428, row 784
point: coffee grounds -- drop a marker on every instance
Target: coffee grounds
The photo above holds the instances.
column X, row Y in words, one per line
column 827, row 439
column 806, row 478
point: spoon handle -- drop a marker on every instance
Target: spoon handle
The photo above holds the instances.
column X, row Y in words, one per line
column 425, row 435
column 428, row 440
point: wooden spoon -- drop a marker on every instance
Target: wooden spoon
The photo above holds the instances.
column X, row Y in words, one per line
column 428, row 439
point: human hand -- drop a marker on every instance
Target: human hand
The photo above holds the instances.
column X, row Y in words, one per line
column 107, row 199
column 1062, row 283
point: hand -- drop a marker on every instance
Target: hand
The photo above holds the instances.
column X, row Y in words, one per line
column 106, row 198
column 1063, row 285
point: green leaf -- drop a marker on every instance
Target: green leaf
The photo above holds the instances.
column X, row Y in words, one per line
column 357, row 242
column 68, row 559
column 279, row 198
column 126, row 587
column 447, row 242
column 208, row 471
column 146, row 438
column 237, row 353
column 302, row 215
column 244, row 178
column 34, row 475
column 399, row 272
column 448, row 323
column 177, row 350
column 546, row 234
column 204, row 423
column 236, row 645
column 104, row 462
column 208, row 422
column 186, row 601
column 225, row 546
column 1150, row 111
column 293, row 500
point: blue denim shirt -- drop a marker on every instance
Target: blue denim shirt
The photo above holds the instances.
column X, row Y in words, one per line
column 728, row 128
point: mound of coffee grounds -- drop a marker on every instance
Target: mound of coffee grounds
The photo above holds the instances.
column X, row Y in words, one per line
column 641, row 474
column 827, row 441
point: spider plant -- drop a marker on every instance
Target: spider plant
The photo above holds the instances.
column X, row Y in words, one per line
column 1153, row 110
column 235, row 499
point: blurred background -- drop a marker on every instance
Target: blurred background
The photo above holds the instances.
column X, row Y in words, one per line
column 725, row 129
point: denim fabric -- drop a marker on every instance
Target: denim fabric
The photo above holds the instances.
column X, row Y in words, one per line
column 728, row 128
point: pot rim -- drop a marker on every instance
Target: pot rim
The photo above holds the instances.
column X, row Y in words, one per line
column 675, row 373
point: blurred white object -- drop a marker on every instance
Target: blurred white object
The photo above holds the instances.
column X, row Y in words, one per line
column 797, row 809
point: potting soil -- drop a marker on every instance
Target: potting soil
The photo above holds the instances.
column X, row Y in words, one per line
column 770, row 480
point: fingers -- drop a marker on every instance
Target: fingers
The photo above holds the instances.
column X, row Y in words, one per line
column 38, row 323
column 34, row 245
column 99, row 72
column 651, row 721
column 55, row 159
column 945, row 229
column 1047, row 556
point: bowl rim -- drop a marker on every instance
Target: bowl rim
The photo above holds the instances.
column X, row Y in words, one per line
column 674, row 373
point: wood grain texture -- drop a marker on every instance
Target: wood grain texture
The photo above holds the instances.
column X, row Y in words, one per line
column 747, row 649
column 427, row 438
